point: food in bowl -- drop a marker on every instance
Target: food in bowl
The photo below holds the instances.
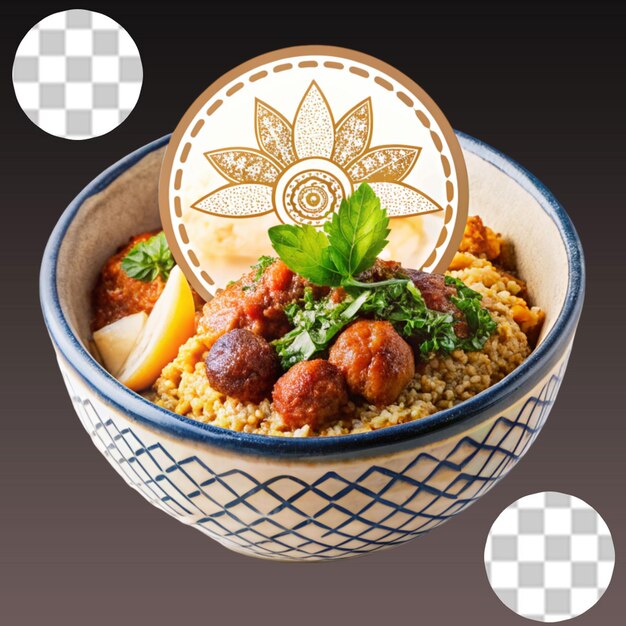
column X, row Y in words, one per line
column 326, row 338
column 314, row 498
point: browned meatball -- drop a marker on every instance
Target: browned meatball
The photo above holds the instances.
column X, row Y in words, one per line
column 242, row 365
column 311, row 392
column 377, row 363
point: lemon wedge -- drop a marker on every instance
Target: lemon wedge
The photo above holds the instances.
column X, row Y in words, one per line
column 169, row 325
column 115, row 341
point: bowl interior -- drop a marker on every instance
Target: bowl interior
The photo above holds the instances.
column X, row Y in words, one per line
column 129, row 205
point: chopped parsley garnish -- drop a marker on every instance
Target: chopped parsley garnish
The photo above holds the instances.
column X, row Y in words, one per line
column 149, row 259
column 480, row 323
column 260, row 266
column 317, row 322
column 402, row 304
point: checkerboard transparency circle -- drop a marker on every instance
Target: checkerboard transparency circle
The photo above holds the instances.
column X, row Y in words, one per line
column 77, row 74
column 549, row 556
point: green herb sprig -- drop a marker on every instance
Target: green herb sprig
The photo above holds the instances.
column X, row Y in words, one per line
column 349, row 244
column 404, row 306
column 149, row 259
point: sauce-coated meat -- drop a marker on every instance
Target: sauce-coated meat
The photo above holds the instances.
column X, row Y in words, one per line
column 310, row 393
column 376, row 362
column 116, row 295
column 256, row 304
column 381, row 270
column 242, row 365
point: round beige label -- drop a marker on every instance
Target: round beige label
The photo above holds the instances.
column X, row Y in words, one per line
column 284, row 137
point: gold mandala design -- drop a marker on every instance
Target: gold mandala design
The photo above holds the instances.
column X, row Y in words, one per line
column 302, row 169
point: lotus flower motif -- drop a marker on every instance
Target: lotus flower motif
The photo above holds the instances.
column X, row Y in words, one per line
column 302, row 170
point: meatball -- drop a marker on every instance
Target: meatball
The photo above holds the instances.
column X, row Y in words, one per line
column 242, row 365
column 116, row 295
column 311, row 392
column 377, row 363
column 256, row 303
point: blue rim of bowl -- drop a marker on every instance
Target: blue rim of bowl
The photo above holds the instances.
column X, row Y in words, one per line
column 435, row 427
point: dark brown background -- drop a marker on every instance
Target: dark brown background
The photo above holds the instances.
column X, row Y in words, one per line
column 77, row 546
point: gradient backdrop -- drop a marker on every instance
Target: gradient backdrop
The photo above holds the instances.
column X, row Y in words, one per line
column 79, row 547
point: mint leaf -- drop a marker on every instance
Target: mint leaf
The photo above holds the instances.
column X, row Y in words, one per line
column 357, row 232
column 305, row 251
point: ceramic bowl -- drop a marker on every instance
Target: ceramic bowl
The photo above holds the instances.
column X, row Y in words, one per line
column 316, row 498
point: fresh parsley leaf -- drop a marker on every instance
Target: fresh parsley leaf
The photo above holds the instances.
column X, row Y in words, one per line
column 149, row 259
column 357, row 232
column 305, row 251
column 349, row 244
column 295, row 347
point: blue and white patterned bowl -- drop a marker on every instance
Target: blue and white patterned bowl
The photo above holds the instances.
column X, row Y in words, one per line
column 326, row 498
